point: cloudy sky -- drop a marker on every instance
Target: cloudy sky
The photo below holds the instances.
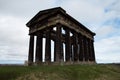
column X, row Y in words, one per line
column 100, row 16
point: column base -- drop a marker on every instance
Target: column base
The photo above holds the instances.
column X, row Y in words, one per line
column 30, row 63
column 61, row 63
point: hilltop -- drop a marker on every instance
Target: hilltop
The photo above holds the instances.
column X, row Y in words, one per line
column 63, row 72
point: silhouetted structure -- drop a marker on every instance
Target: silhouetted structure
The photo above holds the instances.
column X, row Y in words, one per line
column 55, row 24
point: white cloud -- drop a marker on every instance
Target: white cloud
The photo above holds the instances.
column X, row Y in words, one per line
column 13, row 29
column 108, row 49
column 13, row 39
column 89, row 12
column 85, row 10
column 115, row 7
column 105, row 31
column 92, row 13
column 24, row 8
column 14, row 33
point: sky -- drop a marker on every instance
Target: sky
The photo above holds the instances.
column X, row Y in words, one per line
column 100, row 16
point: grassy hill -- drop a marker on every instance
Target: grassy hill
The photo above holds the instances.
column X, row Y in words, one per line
column 65, row 72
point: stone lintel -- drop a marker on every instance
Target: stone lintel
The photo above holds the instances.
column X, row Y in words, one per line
column 65, row 22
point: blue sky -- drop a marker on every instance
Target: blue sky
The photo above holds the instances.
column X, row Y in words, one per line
column 100, row 16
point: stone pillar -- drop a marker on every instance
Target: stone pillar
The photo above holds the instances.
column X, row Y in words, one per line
column 31, row 50
column 81, row 46
column 38, row 58
column 85, row 49
column 58, row 44
column 89, row 49
column 48, row 46
column 67, row 45
column 55, row 51
column 75, row 46
column 70, row 51
column 62, row 53
column 92, row 50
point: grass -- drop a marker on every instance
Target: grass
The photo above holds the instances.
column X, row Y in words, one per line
column 65, row 72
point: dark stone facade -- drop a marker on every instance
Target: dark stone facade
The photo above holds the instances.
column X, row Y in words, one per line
column 78, row 40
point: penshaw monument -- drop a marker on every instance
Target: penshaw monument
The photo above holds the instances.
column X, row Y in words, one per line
column 73, row 42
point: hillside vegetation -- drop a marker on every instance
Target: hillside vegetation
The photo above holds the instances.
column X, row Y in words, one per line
column 63, row 72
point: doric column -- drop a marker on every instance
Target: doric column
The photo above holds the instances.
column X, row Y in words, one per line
column 55, row 51
column 58, row 44
column 81, row 46
column 89, row 49
column 72, row 53
column 62, row 53
column 75, row 46
column 31, row 50
column 67, row 45
column 48, row 46
column 38, row 58
column 85, row 49
column 92, row 50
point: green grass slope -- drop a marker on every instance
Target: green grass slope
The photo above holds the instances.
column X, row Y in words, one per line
column 65, row 72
